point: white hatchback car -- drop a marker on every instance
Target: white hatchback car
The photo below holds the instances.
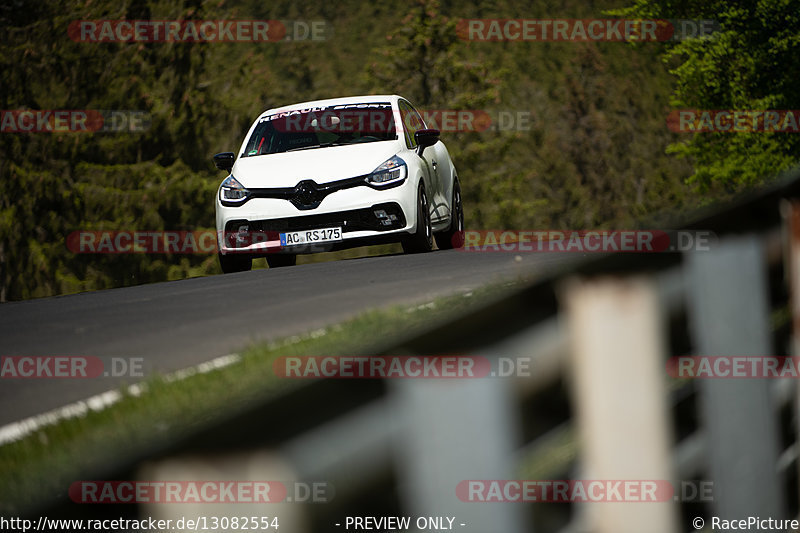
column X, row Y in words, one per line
column 331, row 174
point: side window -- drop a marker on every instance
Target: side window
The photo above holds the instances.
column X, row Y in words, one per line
column 411, row 123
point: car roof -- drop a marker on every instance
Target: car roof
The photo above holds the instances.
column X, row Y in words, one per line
column 365, row 99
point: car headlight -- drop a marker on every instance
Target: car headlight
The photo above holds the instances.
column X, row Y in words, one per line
column 390, row 172
column 232, row 192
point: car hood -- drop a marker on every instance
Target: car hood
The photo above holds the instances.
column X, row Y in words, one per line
column 322, row 165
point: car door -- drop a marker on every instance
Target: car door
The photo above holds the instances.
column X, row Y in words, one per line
column 412, row 121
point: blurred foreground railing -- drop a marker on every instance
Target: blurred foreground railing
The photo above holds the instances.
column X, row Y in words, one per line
column 598, row 404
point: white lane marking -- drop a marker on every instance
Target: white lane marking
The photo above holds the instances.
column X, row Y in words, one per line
column 17, row 430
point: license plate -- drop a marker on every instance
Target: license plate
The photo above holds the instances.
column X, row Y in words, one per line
column 311, row 236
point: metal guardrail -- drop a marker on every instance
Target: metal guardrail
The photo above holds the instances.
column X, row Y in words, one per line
column 598, row 403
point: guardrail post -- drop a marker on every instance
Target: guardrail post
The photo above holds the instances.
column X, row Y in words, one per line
column 618, row 385
column 729, row 315
column 456, row 430
column 790, row 209
column 221, row 470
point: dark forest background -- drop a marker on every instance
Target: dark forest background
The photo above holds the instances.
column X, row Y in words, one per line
column 597, row 154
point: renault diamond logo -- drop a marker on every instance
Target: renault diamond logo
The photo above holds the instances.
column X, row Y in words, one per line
column 307, row 195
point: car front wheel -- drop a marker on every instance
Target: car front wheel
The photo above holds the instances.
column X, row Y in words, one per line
column 230, row 263
column 281, row 260
column 422, row 240
column 453, row 237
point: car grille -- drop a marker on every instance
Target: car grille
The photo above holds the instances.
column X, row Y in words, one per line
column 364, row 219
column 308, row 194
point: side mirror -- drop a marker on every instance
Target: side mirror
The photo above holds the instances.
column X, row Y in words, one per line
column 426, row 138
column 224, row 161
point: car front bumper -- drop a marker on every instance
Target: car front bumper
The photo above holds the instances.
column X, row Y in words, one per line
column 366, row 216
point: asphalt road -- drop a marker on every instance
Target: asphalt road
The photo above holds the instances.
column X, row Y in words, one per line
column 179, row 324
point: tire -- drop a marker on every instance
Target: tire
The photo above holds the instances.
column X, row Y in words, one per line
column 453, row 237
column 281, row 260
column 422, row 240
column 230, row 263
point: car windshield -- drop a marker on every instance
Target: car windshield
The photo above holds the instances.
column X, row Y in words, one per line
column 317, row 127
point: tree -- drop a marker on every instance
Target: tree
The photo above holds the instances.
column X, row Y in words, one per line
column 752, row 63
column 421, row 61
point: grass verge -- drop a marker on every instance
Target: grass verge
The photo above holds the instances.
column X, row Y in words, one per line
column 40, row 467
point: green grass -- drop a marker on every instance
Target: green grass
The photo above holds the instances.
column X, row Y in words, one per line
column 42, row 465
